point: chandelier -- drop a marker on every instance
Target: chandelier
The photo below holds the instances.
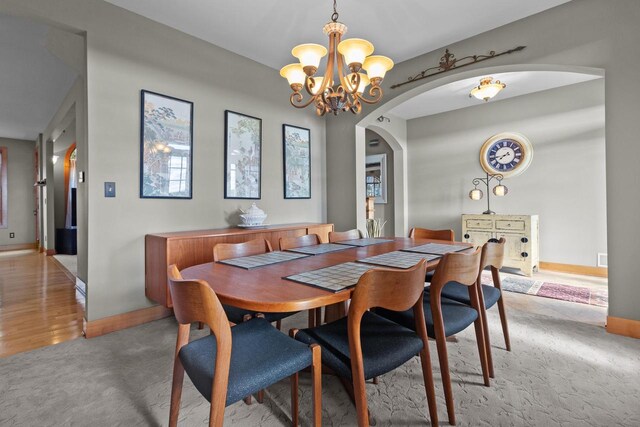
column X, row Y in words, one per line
column 487, row 89
column 347, row 92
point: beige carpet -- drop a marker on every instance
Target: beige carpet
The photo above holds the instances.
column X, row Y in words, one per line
column 560, row 373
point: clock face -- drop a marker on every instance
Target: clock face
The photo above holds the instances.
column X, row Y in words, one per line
column 507, row 154
column 504, row 155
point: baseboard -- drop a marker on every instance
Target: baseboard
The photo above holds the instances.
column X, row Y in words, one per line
column 18, row 247
column 95, row 328
column 575, row 269
column 622, row 326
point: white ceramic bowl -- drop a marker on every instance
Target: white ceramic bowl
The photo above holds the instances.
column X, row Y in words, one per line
column 253, row 219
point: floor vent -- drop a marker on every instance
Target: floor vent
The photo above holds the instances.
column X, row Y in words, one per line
column 603, row 260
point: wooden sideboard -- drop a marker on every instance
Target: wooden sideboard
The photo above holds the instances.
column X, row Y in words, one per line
column 520, row 232
column 187, row 248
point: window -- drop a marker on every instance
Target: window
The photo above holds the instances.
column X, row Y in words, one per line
column 3, row 187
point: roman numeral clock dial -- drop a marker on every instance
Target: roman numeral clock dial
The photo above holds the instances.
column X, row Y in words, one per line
column 507, row 153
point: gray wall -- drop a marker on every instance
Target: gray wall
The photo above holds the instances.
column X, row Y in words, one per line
column 384, row 211
column 587, row 33
column 127, row 53
column 565, row 183
column 20, row 196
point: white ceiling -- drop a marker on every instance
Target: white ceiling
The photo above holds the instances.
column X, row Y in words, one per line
column 266, row 30
column 33, row 82
column 455, row 95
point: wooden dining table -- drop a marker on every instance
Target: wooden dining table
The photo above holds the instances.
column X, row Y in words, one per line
column 264, row 289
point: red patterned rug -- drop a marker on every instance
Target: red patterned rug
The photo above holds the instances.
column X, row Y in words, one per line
column 579, row 294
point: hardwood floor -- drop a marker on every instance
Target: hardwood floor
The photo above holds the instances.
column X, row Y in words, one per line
column 38, row 303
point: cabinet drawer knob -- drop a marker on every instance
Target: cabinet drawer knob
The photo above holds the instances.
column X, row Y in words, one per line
column 524, row 240
column 524, row 254
column 466, row 236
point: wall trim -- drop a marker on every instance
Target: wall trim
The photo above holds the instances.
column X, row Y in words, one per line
column 18, row 247
column 106, row 325
column 622, row 326
column 584, row 270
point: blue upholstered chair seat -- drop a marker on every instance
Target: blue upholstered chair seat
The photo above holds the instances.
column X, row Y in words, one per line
column 459, row 292
column 236, row 315
column 456, row 316
column 260, row 356
column 385, row 345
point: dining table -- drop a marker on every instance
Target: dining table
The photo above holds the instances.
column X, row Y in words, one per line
column 265, row 288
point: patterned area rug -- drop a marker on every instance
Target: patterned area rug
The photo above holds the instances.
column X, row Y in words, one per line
column 579, row 294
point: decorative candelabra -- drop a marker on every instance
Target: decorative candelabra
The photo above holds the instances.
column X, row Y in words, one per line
column 499, row 190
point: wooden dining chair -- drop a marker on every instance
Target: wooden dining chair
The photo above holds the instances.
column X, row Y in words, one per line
column 223, row 251
column 445, row 317
column 492, row 257
column 364, row 345
column 315, row 314
column 339, row 236
column 425, row 233
column 299, row 241
column 233, row 362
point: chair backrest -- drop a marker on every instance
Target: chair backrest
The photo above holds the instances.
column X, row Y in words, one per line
column 298, row 242
column 425, row 233
column 223, row 251
column 492, row 256
column 339, row 236
column 456, row 267
column 195, row 301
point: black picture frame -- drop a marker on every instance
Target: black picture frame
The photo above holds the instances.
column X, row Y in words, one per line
column 296, row 162
column 242, row 156
column 162, row 136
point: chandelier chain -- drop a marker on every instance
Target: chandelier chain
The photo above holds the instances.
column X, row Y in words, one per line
column 334, row 16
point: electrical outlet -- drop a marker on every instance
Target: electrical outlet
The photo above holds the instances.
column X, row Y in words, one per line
column 12, row 235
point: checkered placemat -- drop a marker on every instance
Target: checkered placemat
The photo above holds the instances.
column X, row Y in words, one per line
column 363, row 242
column 254, row 261
column 436, row 248
column 318, row 249
column 334, row 278
column 398, row 259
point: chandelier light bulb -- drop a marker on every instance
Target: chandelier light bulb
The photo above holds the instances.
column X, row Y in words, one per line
column 355, row 51
column 377, row 66
column 309, row 55
column 294, row 74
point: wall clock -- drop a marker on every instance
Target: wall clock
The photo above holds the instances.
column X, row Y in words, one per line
column 507, row 153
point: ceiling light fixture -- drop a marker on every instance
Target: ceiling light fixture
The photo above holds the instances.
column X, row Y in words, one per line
column 349, row 93
column 487, row 89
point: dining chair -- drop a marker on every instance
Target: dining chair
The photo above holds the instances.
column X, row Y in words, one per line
column 492, row 257
column 315, row 314
column 223, row 251
column 339, row 236
column 364, row 345
column 425, row 233
column 445, row 317
column 233, row 362
column 299, row 241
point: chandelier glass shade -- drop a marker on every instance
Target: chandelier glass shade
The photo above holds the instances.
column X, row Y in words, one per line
column 487, row 89
column 343, row 87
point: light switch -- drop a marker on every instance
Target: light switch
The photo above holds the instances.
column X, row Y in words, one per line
column 109, row 189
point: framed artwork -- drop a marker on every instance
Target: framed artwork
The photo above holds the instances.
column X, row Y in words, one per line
column 243, row 154
column 376, row 175
column 297, row 162
column 166, row 145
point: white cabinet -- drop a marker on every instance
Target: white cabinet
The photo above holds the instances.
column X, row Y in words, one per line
column 520, row 232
